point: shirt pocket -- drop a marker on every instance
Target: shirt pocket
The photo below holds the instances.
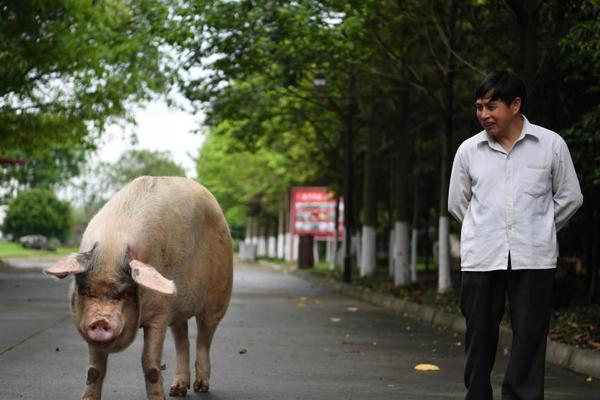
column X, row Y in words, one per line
column 537, row 180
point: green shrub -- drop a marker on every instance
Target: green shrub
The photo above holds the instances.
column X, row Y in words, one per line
column 38, row 211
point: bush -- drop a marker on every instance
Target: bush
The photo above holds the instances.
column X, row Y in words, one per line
column 38, row 211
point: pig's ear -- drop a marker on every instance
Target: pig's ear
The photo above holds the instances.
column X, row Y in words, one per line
column 148, row 277
column 65, row 267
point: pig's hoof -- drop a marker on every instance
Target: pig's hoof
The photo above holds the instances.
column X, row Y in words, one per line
column 201, row 386
column 178, row 389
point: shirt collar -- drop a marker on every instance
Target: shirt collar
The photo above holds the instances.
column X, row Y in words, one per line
column 528, row 130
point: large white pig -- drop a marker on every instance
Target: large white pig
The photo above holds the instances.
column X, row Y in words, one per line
column 158, row 253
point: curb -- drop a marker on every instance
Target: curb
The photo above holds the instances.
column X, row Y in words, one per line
column 585, row 362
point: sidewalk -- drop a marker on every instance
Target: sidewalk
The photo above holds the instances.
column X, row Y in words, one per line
column 283, row 338
column 582, row 361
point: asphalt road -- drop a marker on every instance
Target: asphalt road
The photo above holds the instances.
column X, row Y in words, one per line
column 302, row 342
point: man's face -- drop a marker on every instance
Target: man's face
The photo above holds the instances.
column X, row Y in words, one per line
column 495, row 116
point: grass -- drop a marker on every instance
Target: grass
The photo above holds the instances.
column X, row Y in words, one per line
column 14, row 250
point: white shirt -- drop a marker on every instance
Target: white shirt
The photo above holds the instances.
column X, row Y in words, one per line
column 512, row 202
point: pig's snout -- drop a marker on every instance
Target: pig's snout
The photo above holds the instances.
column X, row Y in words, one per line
column 100, row 331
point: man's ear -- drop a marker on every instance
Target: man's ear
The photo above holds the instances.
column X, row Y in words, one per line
column 65, row 267
column 516, row 105
column 148, row 277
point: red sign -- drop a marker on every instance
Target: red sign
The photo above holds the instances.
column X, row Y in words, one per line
column 313, row 212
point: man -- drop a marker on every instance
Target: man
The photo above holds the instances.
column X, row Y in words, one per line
column 513, row 185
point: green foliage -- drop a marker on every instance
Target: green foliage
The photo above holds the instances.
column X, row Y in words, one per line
column 48, row 170
column 38, row 211
column 99, row 182
column 69, row 67
column 244, row 183
column 134, row 163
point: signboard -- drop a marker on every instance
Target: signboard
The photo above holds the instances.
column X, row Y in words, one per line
column 313, row 212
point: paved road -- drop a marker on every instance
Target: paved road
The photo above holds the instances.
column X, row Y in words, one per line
column 302, row 341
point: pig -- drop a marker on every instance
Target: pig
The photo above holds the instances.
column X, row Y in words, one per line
column 158, row 253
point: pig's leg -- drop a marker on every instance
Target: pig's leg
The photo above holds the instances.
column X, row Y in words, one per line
column 95, row 374
column 154, row 337
column 181, row 383
column 203, row 340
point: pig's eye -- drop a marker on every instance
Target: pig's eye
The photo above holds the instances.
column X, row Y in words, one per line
column 86, row 291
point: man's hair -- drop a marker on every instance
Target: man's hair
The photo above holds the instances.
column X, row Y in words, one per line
column 503, row 85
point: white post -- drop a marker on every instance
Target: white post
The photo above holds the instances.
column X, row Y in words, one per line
column 296, row 243
column 331, row 248
column 272, row 247
column 287, row 248
column 315, row 251
column 367, row 261
column 444, row 281
column 262, row 246
column 401, row 272
column 281, row 246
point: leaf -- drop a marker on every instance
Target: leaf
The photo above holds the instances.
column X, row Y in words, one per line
column 352, row 309
column 427, row 367
column 594, row 345
column 335, row 319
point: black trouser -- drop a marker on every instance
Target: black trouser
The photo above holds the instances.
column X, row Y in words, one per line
column 482, row 303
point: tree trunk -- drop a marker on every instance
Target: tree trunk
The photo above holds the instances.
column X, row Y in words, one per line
column 367, row 262
column 414, row 237
column 248, row 237
column 334, row 256
column 401, row 225
column 444, row 279
column 348, row 180
column 391, row 208
column 281, row 231
column 526, row 12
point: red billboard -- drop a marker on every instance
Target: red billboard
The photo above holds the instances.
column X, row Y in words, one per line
column 313, row 212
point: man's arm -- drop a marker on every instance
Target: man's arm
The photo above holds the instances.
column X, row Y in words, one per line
column 459, row 193
column 565, row 186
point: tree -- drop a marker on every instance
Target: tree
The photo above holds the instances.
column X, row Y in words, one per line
column 38, row 211
column 100, row 181
column 134, row 163
column 69, row 67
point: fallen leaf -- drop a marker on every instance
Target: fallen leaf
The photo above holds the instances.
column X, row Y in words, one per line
column 243, row 350
column 553, row 336
column 427, row 367
column 594, row 345
column 335, row 319
column 301, row 305
column 353, row 309
column 302, row 298
column 318, row 301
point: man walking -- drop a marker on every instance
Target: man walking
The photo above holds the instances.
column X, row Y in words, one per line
column 513, row 185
